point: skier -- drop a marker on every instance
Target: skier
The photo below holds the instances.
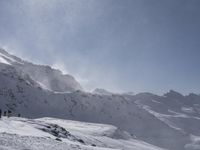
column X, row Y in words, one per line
column 4, row 113
column 0, row 113
column 9, row 113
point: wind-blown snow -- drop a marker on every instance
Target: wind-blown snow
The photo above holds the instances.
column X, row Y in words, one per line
column 48, row 77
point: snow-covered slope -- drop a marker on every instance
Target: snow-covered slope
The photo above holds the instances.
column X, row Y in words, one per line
column 57, row 134
column 101, row 92
column 170, row 121
column 45, row 76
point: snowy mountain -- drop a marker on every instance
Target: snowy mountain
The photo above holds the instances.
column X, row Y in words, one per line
column 57, row 134
column 45, row 76
column 170, row 121
column 101, row 92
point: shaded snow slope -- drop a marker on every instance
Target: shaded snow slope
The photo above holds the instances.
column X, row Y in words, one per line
column 57, row 134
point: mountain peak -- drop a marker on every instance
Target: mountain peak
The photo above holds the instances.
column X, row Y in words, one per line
column 46, row 76
column 173, row 93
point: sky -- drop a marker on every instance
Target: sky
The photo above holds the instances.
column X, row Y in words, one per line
column 119, row 45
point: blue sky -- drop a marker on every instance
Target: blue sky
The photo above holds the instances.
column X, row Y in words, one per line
column 119, row 45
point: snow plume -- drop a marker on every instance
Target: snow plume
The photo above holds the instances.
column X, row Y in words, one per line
column 53, row 31
column 44, row 23
column 60, row 66
column 88, row 76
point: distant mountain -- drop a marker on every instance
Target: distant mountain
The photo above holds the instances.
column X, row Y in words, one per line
column 170, row 121
column 101, row 92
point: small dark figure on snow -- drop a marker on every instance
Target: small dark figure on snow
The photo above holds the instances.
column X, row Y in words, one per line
column 5, row 113
column 9, row 113
column 19, row 115
column 0, row 113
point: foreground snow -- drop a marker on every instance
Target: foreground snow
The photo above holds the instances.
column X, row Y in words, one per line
column 57, row 134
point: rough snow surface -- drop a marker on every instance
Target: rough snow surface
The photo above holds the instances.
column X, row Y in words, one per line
column 57, row 134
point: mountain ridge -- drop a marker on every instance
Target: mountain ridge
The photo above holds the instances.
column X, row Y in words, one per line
column 167, row 121
column 52, row 79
